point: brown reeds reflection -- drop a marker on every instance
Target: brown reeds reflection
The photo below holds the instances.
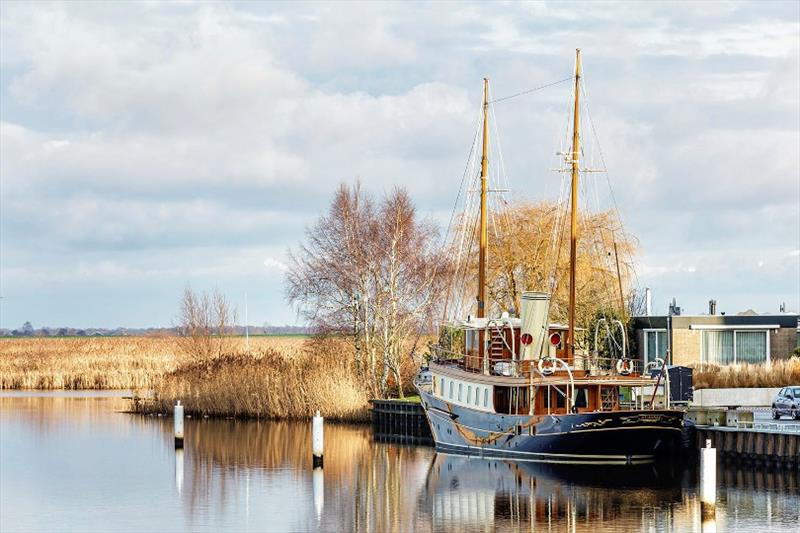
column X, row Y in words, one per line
column 68, row 412
column 367, row 485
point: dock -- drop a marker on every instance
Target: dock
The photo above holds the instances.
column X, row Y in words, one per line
column 740, row 436
column 400, row 421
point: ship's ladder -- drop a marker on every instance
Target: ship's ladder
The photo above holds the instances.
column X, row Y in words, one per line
column 497, row 343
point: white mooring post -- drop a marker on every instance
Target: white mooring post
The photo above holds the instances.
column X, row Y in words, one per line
column 317, row 440
column 178, row 420
column 708, row 480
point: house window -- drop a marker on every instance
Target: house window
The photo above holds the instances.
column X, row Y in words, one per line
column 734, row 346
column 655, row 344
column 751, row 346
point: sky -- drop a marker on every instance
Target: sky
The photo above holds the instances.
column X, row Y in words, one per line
column 147, row 146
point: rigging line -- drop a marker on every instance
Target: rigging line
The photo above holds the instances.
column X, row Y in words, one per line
column 469, row 165
column 502, row 177
column 463, row 287
column 463, row 178
column 608, row 177
column 467, row 230
column 509, row 97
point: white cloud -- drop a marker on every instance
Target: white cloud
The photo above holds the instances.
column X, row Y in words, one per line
column 275, row 264
column 148, row 144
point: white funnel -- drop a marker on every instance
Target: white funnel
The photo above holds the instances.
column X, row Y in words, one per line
column 533, row 316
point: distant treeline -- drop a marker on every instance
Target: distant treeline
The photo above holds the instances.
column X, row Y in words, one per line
column 27, row 330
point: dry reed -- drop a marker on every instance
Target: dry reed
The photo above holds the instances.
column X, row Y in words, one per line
column 779, row 373
column 267, row 383
column 106, row 362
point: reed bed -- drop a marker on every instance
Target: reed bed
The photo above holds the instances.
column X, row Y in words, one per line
column 108, row 362
column 267, row 383
column 779, row 373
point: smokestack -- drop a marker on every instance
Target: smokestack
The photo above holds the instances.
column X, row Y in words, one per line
column 712, row 307
column 648, row 301
column 533, row 315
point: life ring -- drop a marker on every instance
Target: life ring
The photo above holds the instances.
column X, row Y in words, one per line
column 549, row 369
column 624, row 366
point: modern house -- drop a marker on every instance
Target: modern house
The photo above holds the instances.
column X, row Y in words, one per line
column 716, row 338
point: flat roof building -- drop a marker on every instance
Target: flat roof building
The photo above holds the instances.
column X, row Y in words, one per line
column 720, row 339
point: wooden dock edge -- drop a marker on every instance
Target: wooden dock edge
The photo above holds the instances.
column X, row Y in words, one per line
column 750, row 445
column 400, row 422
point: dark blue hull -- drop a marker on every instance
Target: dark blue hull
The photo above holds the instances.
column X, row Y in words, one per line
column 609, row 437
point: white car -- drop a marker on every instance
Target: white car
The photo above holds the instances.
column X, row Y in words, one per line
column 787, row 402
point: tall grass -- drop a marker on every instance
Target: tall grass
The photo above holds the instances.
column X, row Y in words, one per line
column 108, row 362
column 267, row 383
column 779, row 373
column 85, row 363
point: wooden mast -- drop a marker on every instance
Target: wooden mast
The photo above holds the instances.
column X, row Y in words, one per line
column 573, row 226
column 484, row 237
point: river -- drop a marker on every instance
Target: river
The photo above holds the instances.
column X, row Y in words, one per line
column 77, row 462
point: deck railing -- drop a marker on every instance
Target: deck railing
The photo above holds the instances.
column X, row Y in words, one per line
column 596, row 366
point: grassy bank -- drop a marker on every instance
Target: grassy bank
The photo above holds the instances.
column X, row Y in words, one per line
column 779, row 374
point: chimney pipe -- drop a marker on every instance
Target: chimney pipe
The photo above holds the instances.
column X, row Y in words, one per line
column 648, row 301
column 712, row 307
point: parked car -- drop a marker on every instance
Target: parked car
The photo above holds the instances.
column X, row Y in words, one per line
column 787, row 402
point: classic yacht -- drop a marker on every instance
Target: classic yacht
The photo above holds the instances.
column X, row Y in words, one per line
column 521, row 388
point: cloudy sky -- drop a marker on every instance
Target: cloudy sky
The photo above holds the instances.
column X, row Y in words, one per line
column 144, row 146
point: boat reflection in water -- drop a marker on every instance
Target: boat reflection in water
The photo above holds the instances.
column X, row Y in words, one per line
column 470, row 493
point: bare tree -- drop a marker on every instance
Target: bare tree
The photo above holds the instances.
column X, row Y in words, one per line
column 370, row 273
column 204, row 323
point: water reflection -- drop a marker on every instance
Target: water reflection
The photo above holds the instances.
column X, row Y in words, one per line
column 79, row 464
column 481, row 495
column 179, row 469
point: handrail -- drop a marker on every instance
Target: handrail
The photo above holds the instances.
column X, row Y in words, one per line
column 658, row 362
column 596, row 366
column 622, row 330
column 571, row 384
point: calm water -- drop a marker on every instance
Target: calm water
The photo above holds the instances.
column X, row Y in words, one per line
column 78, row 464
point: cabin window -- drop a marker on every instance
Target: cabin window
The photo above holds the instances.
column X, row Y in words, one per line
column 459, row 392
column 472, row 342
column 469, row 393
column 441, row 387
column 511, row 400
column 477, row 396
column 451, row 389
column 561, row 400
column 581, row 398
column 486, row 397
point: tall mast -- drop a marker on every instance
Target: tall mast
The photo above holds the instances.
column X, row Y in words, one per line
column 573, row 226
column 484, row 230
